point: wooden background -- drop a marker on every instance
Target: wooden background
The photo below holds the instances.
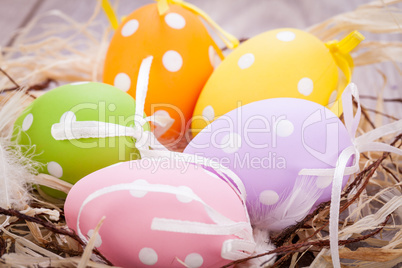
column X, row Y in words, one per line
column 243, row 18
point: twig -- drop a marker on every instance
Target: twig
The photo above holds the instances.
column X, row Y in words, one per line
column 17, row 86
column 10, row 78
column 40, row 86
column 375, row 98
column 49, row 226
column 383, row 114
column 318, row 243
column 284, row 236
column 390, row 173
column 364, row 113
column 2, row 246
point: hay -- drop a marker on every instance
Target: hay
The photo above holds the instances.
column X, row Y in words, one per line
column 33, row 231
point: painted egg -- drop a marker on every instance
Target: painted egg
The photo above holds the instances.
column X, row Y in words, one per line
column 182, row 51
column 286, row 63
column 70, row 160
column 160, row 213
column 267, row 143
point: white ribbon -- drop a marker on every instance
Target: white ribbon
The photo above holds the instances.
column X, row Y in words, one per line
column 70, row 129
column 232, row 249
column 361, row 144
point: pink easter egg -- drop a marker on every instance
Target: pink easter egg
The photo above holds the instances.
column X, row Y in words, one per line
column 266, row 143
column 129, row 236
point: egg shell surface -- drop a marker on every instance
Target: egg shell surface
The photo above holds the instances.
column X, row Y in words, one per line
column 126, row 237
column 276, row 64
column 70, row 160
column 266, row 143
column 182, row 53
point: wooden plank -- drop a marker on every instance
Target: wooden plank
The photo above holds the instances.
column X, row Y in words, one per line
column 13, row 15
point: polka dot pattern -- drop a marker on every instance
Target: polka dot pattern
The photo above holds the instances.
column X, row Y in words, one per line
column 182, row 198
column 175, row 21
column 246, row 61
column 122, row 81
column 286, row 36
column 172, row 61
column 231, row 143
column 55, row 169
column 98, row 239
column 27, row 123
column 305, row 86
column 323, row 182
column 208, row 113
column 137, row 193
column 284, row 128
column 129, row 28
column 148, row 256
column 194, row 260
column 112, row 107
column 268, row 197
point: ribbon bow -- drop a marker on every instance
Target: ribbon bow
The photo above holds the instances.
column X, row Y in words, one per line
column 340, row 51
column 70, row 129
column 232, row 249
column 361, row 144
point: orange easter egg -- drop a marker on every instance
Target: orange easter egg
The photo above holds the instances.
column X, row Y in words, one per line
column 181, row 47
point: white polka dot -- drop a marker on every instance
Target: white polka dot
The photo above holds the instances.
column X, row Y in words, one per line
column 27, row 123
column 305, row 86
column 333, row 96
column 98, row 239
column 231, row 143
column 162, row 113
column 284, row 128
column 139, row 193
column 194, row 260
column 268, row 197
column 286, row 36
column 129, row 28
column 148, row 256
column 246, row 61
column 112, row 107
column 323, row 181
column 172, row 61
column 79, row 83
column 175, row 21
column 122, row 81
column 55, row 169
column 208, row 113
column 182, row 198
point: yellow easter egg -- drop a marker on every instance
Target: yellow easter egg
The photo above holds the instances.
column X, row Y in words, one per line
column 278, row 63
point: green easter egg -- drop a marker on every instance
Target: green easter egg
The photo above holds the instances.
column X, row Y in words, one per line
column 71, row 160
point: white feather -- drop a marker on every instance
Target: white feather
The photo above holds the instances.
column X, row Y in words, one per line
column 16, row 168
column 263, row 245
column 288, row 211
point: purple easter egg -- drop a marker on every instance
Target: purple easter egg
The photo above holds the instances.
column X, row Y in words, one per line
column 266, row 143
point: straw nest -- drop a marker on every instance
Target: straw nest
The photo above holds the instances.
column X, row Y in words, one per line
column 33, row 232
